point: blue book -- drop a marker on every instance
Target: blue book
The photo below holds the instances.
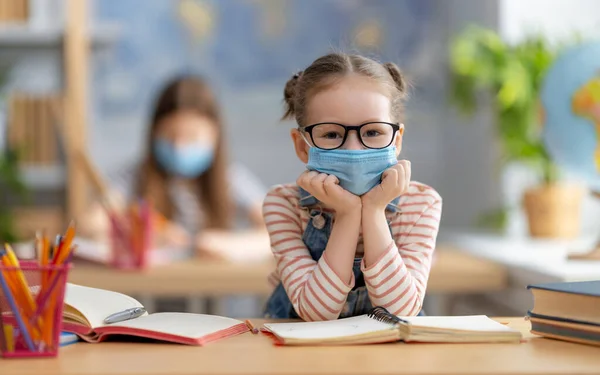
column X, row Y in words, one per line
column 575, row 302
column 67, row 338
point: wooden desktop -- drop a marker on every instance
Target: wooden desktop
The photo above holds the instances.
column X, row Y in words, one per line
column 256, row 354
column 452, row 272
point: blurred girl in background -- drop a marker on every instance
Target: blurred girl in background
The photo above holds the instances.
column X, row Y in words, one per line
column 188, row 180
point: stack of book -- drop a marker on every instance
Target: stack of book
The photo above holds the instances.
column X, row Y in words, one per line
column 567, row 311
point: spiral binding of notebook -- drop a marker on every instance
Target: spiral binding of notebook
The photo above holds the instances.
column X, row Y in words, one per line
column 383, row 315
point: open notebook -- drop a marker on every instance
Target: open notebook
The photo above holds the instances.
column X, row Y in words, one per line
column 379, row 327
column 86, row 308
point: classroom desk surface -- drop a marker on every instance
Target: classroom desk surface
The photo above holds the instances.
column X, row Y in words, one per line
column 452, row 272
column 256, row 354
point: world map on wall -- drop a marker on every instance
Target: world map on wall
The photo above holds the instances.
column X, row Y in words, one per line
column 241, row 44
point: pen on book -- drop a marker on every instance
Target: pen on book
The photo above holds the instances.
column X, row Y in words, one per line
column 128, row 314
column 251, row 327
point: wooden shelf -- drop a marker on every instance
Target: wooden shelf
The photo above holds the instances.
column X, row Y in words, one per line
column 25, row 36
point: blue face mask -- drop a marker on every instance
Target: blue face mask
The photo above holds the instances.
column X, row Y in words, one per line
column 186, row 161
column 357, row 170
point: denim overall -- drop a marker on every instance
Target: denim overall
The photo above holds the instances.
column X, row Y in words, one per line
column 315, row 238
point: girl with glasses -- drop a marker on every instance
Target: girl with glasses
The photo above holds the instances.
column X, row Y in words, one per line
column 354, row 231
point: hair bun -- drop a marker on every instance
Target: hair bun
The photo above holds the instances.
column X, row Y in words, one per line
column 288, row 95
column 397, row 76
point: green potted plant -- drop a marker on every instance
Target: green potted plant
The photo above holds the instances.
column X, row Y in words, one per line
column 513, row 74
column 11, row 183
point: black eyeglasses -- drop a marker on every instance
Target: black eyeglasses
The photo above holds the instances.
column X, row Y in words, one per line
column 330, row 135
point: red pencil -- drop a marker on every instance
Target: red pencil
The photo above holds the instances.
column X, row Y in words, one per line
column 146, row 224
column 3, row 343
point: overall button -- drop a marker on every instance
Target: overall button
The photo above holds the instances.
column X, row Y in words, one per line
column 318, row 221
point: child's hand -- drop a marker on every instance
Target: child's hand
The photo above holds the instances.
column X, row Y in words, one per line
column 326, row 188
column 394, row 182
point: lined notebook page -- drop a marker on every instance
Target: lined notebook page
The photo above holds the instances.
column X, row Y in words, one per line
column 328, row 329
column 471, row 323
column 192, row 326
column 97, row 304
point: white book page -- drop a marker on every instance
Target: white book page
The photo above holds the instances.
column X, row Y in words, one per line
column 347, row 327
column 193, row 326
column 97, row 304
column 470, row 323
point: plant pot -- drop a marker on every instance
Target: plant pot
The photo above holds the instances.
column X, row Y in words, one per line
column 554, row 211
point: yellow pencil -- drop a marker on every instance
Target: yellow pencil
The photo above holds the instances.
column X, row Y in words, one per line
column 22, row 289
column 22, row 282
column 12, row 281
column 9, row 337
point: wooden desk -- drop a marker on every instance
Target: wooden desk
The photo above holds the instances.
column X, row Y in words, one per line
column 452, row 272
column 256, row 354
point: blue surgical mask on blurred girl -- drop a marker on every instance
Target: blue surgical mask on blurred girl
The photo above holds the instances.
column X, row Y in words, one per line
column 189, row 160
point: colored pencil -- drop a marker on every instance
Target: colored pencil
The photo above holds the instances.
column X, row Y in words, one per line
column 19, row 277
column 9, row 336
column 43, row 298
column 20, row 288
column 3, row 338
column 11, row 302
column 36, row 317
column 62, row 251
column 147, row 228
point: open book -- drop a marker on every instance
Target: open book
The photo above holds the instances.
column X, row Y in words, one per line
column 379, row 327
column 86, row 308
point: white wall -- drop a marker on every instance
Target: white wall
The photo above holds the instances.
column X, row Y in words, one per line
column 559, row 19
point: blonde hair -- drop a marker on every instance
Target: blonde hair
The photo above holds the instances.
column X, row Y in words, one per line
column 328, row 69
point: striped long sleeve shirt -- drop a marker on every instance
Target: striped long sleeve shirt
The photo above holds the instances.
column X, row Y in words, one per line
column 396, row 281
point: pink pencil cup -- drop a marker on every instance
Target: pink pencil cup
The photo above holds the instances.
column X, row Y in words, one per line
column 26, row 330
column 129, row 250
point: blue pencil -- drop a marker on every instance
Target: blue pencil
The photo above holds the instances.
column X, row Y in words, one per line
column 11, row 301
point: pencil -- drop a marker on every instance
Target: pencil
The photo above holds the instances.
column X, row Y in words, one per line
column 19, row 278
column 147, row 228
column 251, row 327
column 43, row 298
column 44, row 257
column 13, row 306
column 62, row 251
column 15, row 281
column 134, row 234
column 3, row 338
column 9, row 335
column 47, row 301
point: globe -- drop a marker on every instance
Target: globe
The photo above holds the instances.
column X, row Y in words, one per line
column 570, row 99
